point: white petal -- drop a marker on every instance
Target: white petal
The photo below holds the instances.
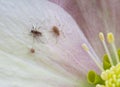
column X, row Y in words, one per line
column 53, row 64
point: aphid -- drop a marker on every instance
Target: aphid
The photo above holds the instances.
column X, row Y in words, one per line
column 36, row 36
column 32, row 50
column 35, row 33
column 56, row 32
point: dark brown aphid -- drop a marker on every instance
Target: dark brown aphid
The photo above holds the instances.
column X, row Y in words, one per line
column 36, row 36
column 32, row 50
column 35, row 32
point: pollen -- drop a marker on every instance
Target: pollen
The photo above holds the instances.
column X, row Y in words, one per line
column 112, row 76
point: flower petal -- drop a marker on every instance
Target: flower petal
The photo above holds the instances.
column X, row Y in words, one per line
column 94, row 10
column 71, row 7
column 60, row 64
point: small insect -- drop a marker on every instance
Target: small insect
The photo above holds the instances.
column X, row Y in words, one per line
column 36, row 37
column 56, row 32
column 32, row 50
column 35, row 33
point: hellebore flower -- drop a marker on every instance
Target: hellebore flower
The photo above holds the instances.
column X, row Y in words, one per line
column 32, row 55
column 98, row 17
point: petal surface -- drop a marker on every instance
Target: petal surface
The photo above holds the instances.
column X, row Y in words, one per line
column 54, row 64
column 104, row 15
column 99, row 16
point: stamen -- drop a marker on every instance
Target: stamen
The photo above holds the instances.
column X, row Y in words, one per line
column 110, row 38
column 101, row 36
column 112, row 76
column 98, row 85
column 84, row 46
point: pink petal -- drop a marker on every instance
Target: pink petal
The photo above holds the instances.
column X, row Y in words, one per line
column 90, row 18
column 97, row 11
column 71, row 7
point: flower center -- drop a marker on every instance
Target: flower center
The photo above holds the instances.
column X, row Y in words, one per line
column 110, row 68
column 112, row 76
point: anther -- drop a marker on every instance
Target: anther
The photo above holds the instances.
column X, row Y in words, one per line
column 85, row 47
column 110, row 38
column 101, row 36
column 111, row 77
column 98, row 85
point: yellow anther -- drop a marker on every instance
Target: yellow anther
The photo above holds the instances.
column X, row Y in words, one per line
column 110, row 37
column 84, row 46
column 104, row 76
column 100, row 85
column 111, row 77
column 94, row 58
column 101, row 36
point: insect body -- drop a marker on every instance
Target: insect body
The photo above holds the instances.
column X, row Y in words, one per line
column 35, row 33
column 36, row 36
column 32, row 50
column 56, row 31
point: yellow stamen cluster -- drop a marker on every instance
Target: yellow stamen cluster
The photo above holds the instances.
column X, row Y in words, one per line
column 112, row 76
